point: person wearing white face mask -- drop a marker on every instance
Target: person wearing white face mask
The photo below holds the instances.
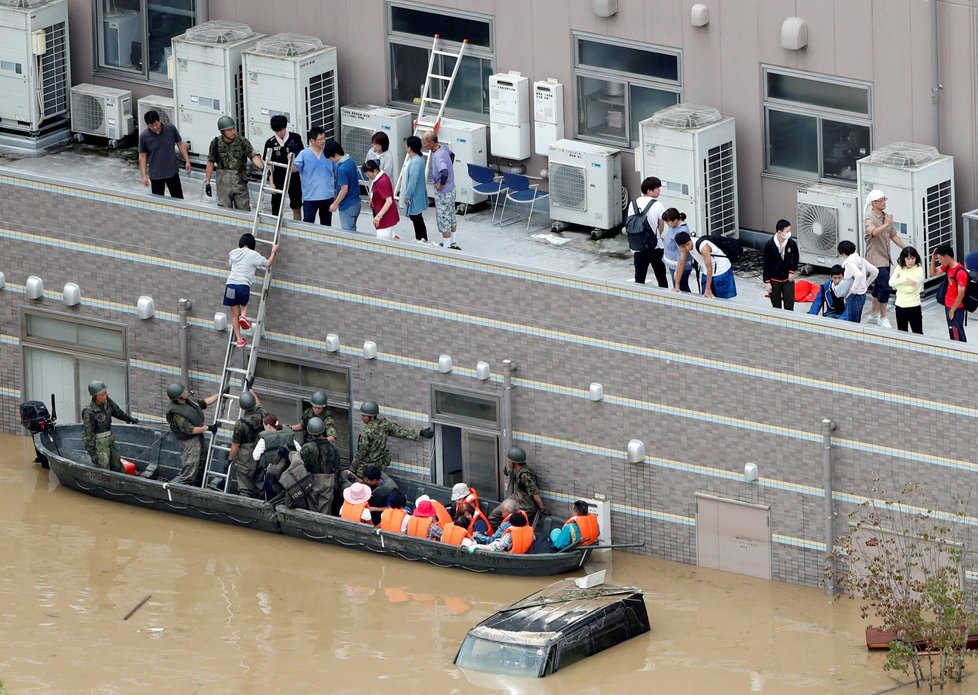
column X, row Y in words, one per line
column 878, row 233
column 780, row 258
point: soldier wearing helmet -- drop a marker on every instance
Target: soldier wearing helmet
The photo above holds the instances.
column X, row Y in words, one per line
column 322, row 461
column 317, row 409
column 372, row 442
column 186, row 418
column 247, row 429
column 522, row 489
column 97, row 420
column 229, row 154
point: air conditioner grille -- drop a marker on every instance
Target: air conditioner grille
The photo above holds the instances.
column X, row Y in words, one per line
column 321, row 103
column 25, row 4
column 721, row 190
column 356, row 142
column 288, row 45
column 904, row 155
column 818, row 228
column 938, row 217
column 683, row 116
column 218, row 32
column 54, row 71
column 568, row 186
column 87, row 113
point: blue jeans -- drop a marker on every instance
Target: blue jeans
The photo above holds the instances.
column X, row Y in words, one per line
column 955, row 326
column 348, row 217
column 854, row 305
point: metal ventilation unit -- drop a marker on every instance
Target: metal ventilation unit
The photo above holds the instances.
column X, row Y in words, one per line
column 585, row 184
column 361, row 121
column 693, row 150
column 918, row 182
column 34, row 65
column 208, row 80
column 165, row 106
column 826, row 216
column 295, row 76
column 101, row 111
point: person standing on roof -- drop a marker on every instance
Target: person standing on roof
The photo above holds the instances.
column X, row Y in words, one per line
column 372, row 442
column 522, row 489
column 414, row 194
column 318, row 178
column 97, row 421
column 228, row 155
column 157, row 163
column 780, row 263
column 282, row 144
column 347, row 201
column 186, row 419
column 244, row 262
column 317, row 409
column 245, row 436
column 879, row 233
column 652, row 256
column 443, row 175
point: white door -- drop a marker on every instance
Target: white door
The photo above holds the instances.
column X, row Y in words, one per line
column 733, row 536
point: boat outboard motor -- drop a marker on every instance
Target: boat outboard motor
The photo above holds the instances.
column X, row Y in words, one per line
column 34, row 416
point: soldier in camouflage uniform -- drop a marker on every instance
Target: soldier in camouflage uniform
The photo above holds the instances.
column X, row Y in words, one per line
column 372, row 442
column 186, row 418
column 318, row 409
column 322, row 461
column 97, row 418
column 522, row 490
column 243, row 440
column 229, row 154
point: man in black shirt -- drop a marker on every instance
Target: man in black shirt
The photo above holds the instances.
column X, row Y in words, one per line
column 282, row 144
column 157, row 162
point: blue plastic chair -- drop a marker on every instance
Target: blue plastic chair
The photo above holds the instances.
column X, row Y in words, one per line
column 971, row 261
column 520, row 191
column 486, row 183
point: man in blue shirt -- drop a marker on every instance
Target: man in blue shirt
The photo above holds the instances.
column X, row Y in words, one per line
column 317, row 178
column 347, row 200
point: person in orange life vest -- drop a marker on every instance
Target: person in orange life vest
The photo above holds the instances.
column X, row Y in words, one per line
column 517, row 538
column 463, row 493
column 355, row 501
column 476, row 520
column 582, row 527
column 423, row 523
column 395, row 518
column 455, row 533
column 507, row 509
column 442, row 516
column 381, row 486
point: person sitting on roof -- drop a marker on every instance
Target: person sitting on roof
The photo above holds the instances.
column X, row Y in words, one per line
column 355, row 501
column 517, row 538
column 831, row 297
column 395, row 519
column 581, row 528
column 422, row 523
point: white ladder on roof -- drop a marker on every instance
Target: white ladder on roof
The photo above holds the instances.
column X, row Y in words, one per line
column 431, row 109
column 266, row 228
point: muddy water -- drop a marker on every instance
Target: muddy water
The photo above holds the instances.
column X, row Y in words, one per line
column 237, row 611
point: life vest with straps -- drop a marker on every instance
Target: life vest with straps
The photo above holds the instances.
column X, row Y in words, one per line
column 353, row 512
column 441, row 513
column 472, row 498
column 588, row 526
column 418, row 526
column 476, row 515
column 522, row 538
column 453, row 535
column 391, row 519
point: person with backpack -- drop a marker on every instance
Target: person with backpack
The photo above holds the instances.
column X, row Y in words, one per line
column 718, row 278
column 645, row 236
column 780, row 258
column 956, row 281
column 862, row 273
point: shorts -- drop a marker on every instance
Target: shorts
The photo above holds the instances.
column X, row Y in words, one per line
column 881, row 287
column 236, row 295
column 445, row 211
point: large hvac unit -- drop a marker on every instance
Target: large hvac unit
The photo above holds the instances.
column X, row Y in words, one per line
column 359, row 122
column 692, row 150
column 585, row 184
column 294, row 76
column 34, row 68
column 509, row 115
column 120, row 30
column 104, row 112
column 468, row 142
column 826, row 216
column 165, row 106
column 208, row 80
column 918, row 182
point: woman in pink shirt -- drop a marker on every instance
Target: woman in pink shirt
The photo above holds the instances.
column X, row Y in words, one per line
column 381, row 200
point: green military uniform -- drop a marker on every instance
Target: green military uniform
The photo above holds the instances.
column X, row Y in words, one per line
column 322, row 461
column 230, row 159
column 327, row 419
column 521, row 486
column 99, row 442
column 245, row 435
column 183, row 417
column 372, row 444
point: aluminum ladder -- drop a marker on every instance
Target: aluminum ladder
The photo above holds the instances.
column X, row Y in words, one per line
column 266, row 227
column 431, row 109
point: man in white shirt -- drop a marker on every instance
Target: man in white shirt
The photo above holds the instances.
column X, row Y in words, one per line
column 652, row 255
column 717, row 280
column 862, row 273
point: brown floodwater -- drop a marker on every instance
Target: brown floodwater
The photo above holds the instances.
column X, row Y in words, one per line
column 238, row 611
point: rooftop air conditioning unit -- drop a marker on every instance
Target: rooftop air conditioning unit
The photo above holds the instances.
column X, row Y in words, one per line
column 101, row 111
column 208, row 80
column 918, row 182
column 34, row 68
column 361, row 121
column 468, row 142
column 692, row 150
column 826, row 216
column 294, row 76
column 585, row 184
column 165, row 106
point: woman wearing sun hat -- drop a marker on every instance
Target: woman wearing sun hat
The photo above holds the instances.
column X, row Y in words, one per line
column 355, row 501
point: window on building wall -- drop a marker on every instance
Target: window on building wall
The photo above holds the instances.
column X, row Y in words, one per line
column 619, row 85
column 133, row 36
column 817, row 126
column 62, row 355
column 411, row 27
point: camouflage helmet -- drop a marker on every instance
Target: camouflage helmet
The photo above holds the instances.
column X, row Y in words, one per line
column 315, row 426
column 225, row 122
column 175, row 390
column 247, row 401
column 516, row 454
column 95, row 388
column 370, row 408
column 318, row 400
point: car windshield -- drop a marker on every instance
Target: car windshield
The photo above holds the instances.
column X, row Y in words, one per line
column 498, row 657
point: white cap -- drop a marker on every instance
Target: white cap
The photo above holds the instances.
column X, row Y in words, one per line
column 459, row 491
column 423, row 498
column 874, row 195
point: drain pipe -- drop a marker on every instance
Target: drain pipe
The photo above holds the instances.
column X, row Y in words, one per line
column 827, row 428
column 507, row 439
column 185, row 305
column 935, row 69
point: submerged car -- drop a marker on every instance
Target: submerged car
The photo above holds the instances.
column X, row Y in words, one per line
column 553, row 628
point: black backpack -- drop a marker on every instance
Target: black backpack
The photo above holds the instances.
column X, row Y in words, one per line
column 970, row 301
column 639, row 232
column 730, row 248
